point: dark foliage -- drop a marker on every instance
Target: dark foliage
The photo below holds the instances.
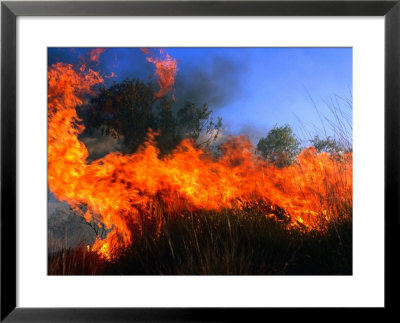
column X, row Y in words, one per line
column 129, row 110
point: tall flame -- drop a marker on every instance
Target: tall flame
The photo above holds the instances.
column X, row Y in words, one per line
column 118, row 190
column 166, row 68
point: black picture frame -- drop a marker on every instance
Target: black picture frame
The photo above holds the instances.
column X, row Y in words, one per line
column 10, row 10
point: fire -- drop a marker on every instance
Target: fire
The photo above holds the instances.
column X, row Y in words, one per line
column 119, row 190
column 94, row 54
column 112, row 74
column 166, row 68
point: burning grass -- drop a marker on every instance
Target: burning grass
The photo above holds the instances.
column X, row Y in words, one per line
column 223, row 243
column 190, row 212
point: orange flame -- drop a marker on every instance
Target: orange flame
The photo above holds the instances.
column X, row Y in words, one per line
column 166, row 68
column 94, row 54
column 118, row 190
column 112, row 74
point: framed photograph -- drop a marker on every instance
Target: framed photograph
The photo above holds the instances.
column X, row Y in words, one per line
column 195, row 160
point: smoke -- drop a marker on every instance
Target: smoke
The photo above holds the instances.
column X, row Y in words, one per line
column 216, row 83
column 66, row 229
column 254, row 132
column 99, row 146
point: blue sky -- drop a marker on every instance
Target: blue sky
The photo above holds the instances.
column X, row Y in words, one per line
column 252, row 89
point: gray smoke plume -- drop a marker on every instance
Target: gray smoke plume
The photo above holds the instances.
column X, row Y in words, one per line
column 216, row 83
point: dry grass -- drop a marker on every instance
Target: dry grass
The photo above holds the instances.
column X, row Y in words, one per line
column 227, row 243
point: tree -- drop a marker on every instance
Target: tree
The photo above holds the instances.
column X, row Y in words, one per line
column 198, row 124
column 328, row 145
column 280, row 146
column 128, row 110
column 123, row 111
